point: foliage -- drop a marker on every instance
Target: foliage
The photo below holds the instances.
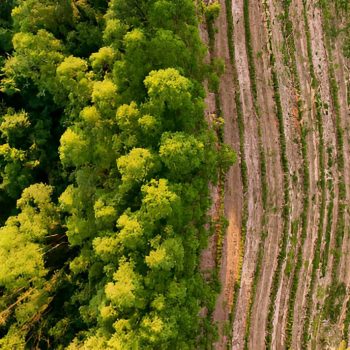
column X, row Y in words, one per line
column 212, row 11
column 104, row 146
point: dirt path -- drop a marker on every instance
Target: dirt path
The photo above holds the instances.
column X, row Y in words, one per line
column 231, row 250
column 253, row 175
column 208, row 256
column 233, row 187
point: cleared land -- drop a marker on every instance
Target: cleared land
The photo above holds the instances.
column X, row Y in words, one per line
column 285, row 99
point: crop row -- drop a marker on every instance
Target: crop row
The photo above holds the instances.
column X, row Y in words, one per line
column 286, row 199
column 220, row 224
column 334, row 300
column 289, row 51
column 241, row 131
column 322, row 182
column 264, row 189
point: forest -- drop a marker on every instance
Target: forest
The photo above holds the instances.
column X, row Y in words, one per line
column 105, row 163
column 174, row 174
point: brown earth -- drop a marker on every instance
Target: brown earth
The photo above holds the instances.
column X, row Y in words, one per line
column 231, row 250
column 261, row 137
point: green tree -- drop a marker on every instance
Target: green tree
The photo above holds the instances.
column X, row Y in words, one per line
column 25, row 253
column 103, row 102
column 36, row 58
column 21, row 153
column 181, row 153
column 74, row 83
column 103, row 60
column 168, row 255
column 126, row 291
column 158, row 200
column 138, row 165
column 53, row 16
column 74, row 148
column 167, row 86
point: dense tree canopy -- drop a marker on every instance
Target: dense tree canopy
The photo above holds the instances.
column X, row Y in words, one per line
column 105, row 161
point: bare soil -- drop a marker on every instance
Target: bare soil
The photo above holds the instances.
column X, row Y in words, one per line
column 270, row 220
column 231, row 250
